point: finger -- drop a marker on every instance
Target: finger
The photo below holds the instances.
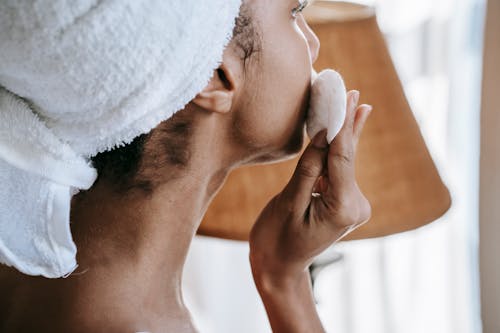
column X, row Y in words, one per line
column 310, row 166
column 362, row 114
column 322, row 184
column 341, row 152
column 352, row 104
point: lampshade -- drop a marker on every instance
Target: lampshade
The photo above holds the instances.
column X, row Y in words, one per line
column 393, row 166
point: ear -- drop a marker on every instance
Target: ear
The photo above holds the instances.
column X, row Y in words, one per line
column 218, row 95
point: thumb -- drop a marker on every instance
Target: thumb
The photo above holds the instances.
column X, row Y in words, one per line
column 309, row 168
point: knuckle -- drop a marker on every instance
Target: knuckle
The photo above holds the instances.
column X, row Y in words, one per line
column 341, row 211
column 308, row 169
column 350, row 212
column 347, row 217
column 365, row 212
column 342, row 157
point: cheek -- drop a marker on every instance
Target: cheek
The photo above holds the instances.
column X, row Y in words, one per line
column 285, row 84
column 275, row 114
column 277, row 95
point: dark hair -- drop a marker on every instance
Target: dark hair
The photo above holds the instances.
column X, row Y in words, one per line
column 245, row 34
column 127, row 167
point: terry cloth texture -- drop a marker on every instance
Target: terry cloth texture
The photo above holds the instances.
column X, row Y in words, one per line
column 82, row 77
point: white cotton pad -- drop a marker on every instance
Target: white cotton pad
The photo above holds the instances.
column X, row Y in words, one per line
column 327, row 106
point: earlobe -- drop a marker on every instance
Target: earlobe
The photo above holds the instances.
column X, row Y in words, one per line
column 216, row 101
column 218, row 95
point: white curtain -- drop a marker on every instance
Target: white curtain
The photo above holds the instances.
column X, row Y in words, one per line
column 424, row 280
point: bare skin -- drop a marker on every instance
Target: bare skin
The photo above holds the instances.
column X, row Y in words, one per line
column 295, row 226
column 132, row 248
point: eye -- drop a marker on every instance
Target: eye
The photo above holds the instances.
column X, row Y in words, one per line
column 302, row 4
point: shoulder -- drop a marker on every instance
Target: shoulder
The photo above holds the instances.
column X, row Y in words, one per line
column 9, row 281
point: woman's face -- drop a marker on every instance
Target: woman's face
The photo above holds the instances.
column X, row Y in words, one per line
column 275, row 94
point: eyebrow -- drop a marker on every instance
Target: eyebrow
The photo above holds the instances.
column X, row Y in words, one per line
column 307, row 2
column 304, row 3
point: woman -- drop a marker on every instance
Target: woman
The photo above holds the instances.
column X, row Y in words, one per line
column 134, row 226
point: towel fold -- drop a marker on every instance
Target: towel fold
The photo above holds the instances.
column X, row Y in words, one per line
column 78, row 78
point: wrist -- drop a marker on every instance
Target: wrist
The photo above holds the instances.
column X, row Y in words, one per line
column 289, row 301
column 276, row 271
column 278, row 280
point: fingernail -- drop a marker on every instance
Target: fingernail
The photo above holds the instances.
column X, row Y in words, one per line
column 319, row 140
column 355, row 97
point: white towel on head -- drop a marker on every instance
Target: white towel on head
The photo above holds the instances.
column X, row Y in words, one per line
column 82, row 77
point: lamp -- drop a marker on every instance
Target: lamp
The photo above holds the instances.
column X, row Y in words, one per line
column 393, row 166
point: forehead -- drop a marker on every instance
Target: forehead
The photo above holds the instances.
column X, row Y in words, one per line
column 272, row 3
column 269, row 6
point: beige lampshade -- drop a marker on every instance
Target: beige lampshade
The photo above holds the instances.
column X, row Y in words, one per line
column 393, row 166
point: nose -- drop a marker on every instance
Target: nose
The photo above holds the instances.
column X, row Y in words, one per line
column 312, row 39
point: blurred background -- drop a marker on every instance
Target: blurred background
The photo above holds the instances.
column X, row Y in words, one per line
column 425, row 280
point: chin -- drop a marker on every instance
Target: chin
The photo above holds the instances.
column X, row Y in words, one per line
column 295, row 144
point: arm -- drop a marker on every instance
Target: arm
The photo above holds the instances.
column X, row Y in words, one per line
column 289, row 303
column 296, row 226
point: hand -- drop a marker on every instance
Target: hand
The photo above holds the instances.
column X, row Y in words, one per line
column 296, row 226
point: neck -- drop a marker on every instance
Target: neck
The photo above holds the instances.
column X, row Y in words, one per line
column 124, row 240
column 147, row 235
